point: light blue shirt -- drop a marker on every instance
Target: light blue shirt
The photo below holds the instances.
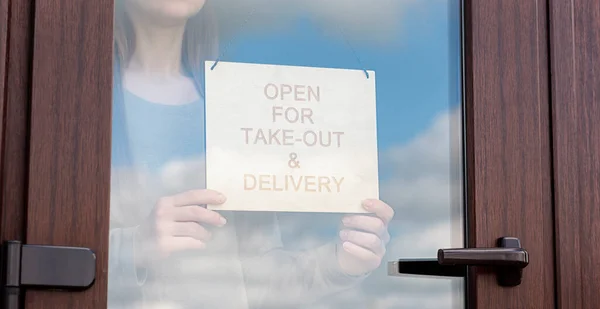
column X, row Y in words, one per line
column 161, row 133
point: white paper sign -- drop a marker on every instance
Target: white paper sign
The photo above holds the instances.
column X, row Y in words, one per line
column 287, row 138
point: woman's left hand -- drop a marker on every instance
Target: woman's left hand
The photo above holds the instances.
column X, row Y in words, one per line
column 364, row 239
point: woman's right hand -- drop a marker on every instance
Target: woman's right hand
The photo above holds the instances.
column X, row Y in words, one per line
column 177, row 223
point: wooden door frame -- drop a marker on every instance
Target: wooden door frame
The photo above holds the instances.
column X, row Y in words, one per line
column 508, row 145
column 576, row 135
column 16, row 40
column 507, row 141
column 70, row 141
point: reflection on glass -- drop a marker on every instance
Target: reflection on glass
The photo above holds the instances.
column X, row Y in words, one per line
column 167, row 250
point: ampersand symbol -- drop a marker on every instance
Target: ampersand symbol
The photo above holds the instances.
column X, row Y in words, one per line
column 293, row 163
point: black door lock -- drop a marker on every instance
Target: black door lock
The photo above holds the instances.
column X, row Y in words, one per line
column 43, row 267
column 508, row 261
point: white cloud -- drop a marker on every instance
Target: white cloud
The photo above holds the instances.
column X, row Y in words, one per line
column 426, row 186
column 423, row 189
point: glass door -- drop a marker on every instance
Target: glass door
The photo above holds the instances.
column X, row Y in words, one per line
column 324, row 138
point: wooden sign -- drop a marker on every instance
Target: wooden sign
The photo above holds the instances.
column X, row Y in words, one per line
column 287, row 138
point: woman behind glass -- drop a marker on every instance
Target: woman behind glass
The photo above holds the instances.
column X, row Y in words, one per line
column 165, row 247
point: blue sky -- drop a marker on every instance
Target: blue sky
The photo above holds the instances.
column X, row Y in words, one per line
column 417, row 67
column 418, row 79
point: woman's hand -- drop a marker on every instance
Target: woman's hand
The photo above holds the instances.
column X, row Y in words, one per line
column 178, row 223
column 364, row 239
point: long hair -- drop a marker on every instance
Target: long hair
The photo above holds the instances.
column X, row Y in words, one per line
column 128, row 196
column 200, row 43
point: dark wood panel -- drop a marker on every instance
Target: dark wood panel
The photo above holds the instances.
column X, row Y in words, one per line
column 4, row 14
column 508, row 144
column 575, row 65
column 70, row 137
column 16, row 35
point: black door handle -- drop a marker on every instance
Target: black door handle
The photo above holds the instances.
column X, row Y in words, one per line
column 508, row 260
